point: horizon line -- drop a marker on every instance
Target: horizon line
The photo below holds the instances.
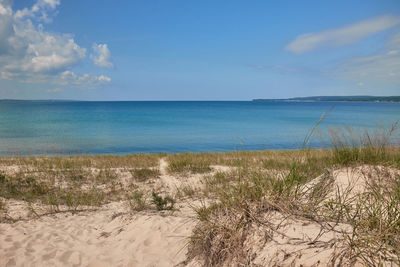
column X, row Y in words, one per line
column 192, row 100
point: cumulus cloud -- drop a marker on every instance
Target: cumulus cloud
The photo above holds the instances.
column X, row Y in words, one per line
column 103, row 78
column 102, row 56
column 30, row 54
column 39, row 11
column 6, row 22
column 379, row 69
column 342, row 36
column 70, row 78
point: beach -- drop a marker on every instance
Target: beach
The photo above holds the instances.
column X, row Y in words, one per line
column 107, row 235
column 190, row 210
column 199, row 133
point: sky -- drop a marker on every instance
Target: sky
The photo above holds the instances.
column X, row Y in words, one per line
column 198, row 50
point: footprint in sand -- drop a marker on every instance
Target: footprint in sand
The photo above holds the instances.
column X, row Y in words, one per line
column 49, row 256
column 71, row 257
column 11, row 262
column 147, row 242
column 65, row 256
column 16, row 245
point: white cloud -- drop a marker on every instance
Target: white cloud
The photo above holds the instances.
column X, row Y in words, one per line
column 55, row 90
column 380, row 70
column 30, row 54
column 5, row 8
column 42, row 52
column 103, row 78
column 72, row 79
column 342, row 36
column 39, row 11
column 5, row 24
column 102, row 57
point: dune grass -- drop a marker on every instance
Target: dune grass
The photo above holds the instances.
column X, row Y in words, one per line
column 72, row 183
column 145, row 174
column 91, row 161
column 188, row 162
column 33, row 188
column 78, row 183
column 256, row 184
column 245, row 195
column 378, row 147
column 137, row 201
column 162, row 203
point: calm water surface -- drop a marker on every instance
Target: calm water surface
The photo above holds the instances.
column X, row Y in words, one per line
column 32, row 128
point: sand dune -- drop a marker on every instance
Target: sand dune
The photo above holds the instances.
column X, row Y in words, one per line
column 107, row 237
column 113, row 235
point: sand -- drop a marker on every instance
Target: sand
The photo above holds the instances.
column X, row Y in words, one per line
column 301, row 242
column 110, row 236
column 100, row 238
column 115, row 236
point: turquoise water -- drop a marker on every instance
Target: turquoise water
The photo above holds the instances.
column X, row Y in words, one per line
column 32, row 128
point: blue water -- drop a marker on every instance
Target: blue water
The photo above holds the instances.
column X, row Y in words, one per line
column 32, row 128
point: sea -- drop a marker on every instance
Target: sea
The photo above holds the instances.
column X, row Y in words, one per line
column 29, row 128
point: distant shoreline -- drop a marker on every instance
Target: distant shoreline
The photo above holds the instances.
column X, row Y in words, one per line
column 334, row 99
column 172, row 127
column 293, row 99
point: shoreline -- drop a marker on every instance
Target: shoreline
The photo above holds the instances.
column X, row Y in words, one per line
column 166, row 153
column 72, row 155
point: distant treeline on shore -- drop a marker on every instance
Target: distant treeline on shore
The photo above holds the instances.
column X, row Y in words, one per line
column 336, row 98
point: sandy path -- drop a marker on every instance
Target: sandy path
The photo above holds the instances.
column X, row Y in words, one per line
column 170, row 183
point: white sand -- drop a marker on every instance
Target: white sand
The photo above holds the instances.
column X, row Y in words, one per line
column 109, row 236
column 113, row 236
column 106, row 237
column 96, row 239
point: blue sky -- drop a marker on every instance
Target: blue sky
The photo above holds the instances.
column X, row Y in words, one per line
column 198, row 50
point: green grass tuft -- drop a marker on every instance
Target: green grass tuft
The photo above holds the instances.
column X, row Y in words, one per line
column 142, row 175
column 162, row 203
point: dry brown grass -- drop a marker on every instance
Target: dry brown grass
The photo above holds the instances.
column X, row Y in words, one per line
column 244, row 197
column 74, row 183
column 74, row 162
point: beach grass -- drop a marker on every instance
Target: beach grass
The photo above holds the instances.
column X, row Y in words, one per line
column 89, row 161
column 188, row 162
column 244, row 197
column 145, row 174
column 252, row 186
column 137, row 201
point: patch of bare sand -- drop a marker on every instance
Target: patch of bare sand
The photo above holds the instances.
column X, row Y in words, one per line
column 351, row 182
column 294, row 242
column 107, row 237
